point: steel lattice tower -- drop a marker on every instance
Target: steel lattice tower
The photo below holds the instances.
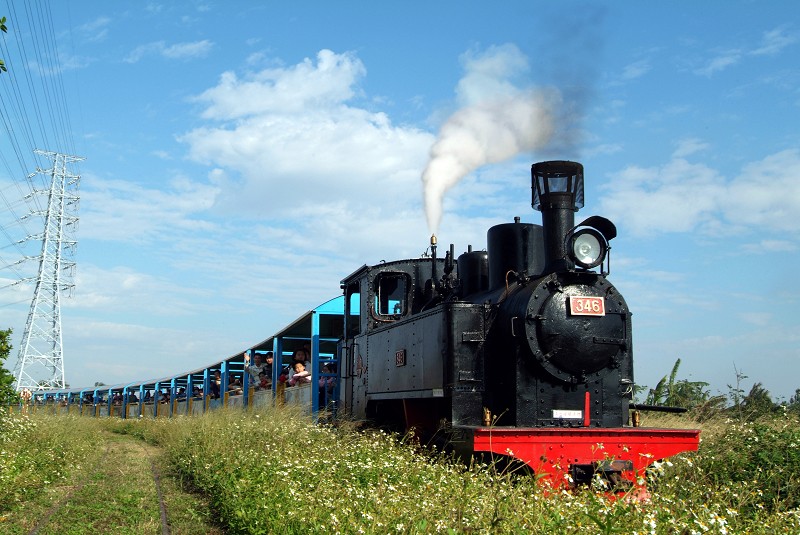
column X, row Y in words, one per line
column 40, row 364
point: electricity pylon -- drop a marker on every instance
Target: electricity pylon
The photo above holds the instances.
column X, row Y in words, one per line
column 40, row 364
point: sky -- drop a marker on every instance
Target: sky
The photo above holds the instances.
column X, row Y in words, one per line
column 241, row 158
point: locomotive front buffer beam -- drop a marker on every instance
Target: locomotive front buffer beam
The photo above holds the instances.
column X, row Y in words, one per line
column 567, row 457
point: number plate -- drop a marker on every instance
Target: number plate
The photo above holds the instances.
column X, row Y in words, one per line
column 587, row 306
column 562, row 414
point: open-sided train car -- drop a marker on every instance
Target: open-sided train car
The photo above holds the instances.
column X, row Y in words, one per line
column 187, row 393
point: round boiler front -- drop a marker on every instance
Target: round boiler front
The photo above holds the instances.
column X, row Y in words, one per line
column 578, row 328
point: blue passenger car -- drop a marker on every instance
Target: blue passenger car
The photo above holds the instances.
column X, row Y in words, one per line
column 225, row 382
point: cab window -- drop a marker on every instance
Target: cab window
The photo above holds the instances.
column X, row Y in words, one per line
column 391, row 295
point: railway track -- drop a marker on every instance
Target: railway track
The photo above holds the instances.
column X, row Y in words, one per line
column 122, row 489
column 58, row 505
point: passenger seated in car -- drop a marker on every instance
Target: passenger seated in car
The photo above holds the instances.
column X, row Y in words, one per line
column 283, row 378
column 326, row 383
column 215, row 382
column 255, row 369
column 268, row 364
column 301, row 375
column 235, row 385
column 264, row 381
column 300, row 356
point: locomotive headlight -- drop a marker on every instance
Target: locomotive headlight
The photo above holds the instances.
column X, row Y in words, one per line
column 588, row 248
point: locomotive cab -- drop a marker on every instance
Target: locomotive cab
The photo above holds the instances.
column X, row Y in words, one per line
column 393, row 339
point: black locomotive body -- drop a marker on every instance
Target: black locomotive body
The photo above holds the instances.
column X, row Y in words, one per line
column 508, row 350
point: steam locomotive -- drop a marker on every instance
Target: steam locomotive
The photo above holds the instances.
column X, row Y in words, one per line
column 523, row 350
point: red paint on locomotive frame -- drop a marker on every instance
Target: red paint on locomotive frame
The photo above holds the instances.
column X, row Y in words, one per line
column 550, row 452
column 587, row 405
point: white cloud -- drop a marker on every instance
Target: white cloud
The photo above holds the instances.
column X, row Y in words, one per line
column 283, row 127
column 126, row 212
column 636, row 69
column 197, row 49
column 687, row 147
column 300, row 89
column 683, row 197
column 759, row 319
column 767, row 193
column 773, row 42
column 95, row 30
column 771, row 246
column 191, row 50
column 721, row 62
column 675, row 198
column 603, row 148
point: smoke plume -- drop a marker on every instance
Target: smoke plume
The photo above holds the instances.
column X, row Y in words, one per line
column 489, row 131
column 498, row 119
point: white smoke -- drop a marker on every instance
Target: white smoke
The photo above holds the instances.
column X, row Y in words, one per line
column 498, row 122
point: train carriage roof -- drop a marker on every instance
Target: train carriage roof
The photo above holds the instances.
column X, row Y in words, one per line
column 327, row 325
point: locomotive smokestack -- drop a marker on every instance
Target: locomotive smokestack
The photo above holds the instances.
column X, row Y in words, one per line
column 434, row 275
column 557, row 193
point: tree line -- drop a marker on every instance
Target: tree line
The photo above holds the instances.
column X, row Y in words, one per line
column 696, row 396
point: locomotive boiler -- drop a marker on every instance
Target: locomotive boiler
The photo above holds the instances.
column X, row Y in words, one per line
column 523, row 350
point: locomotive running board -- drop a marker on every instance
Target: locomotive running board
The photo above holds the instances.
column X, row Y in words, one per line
column 562, row 456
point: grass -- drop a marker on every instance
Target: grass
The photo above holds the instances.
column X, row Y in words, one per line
column 86, row 479
column 273, row 471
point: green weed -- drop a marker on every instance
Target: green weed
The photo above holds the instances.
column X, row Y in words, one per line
column 274, row 471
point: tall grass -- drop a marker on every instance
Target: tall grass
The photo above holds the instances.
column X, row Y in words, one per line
column 38, row 452
column 273, row 471
column 748, row 470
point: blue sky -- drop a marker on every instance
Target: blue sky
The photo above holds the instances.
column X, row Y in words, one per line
column 243, row 157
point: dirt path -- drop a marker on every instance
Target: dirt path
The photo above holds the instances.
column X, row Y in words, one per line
column 125, row 488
